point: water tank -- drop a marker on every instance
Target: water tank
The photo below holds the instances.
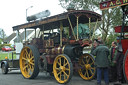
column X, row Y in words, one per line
column 40, row 15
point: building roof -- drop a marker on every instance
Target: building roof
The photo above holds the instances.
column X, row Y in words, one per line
column 9, row 38
column 22, row 35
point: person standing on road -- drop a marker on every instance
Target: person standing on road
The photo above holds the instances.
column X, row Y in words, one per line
column 102, row 63
column 119, row 66
column 112, row 58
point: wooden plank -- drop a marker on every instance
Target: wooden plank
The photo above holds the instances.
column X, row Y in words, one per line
column 112, row 4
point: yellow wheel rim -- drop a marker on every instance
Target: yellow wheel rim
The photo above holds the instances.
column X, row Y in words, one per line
column 61, row 69
column 87, row 69
column 26, row 62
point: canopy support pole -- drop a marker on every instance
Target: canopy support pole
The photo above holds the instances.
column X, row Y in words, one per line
column 35, row 33
column 25, row 34
column 61, row 29
column 71, row 27
column 94, row 29
column 77, row 28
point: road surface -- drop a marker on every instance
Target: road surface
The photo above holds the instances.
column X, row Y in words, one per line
column 15, row 78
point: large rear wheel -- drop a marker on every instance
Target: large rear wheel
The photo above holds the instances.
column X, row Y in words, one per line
column 62, row 69
column 125, row 66
column 29, row 62
column 87, row 68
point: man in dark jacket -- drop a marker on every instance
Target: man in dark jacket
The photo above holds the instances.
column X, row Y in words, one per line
column 112, row 58
column 101, row 52
column 119, row 63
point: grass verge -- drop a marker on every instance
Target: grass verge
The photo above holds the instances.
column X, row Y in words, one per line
column 6, row 54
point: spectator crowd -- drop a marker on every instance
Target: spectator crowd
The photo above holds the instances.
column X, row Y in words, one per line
column 109, row 62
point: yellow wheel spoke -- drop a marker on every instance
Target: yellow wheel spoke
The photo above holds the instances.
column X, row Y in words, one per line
column 65, row 64
column 24, row 68
column 24, row 58
column 31, row 63
column 81, row 65
column 57, row 68
column 31, row 67
column 60, row 61
column 32, row 58
column 67, row 69
column 92, row 68
column 26, row 53
column 65, row 74
column 83, row 62
column 82, row 70
column 30, row 53
column 91, row 63
column 88, row 60
column 59, row 74
column 87, row 73
column 91, row 71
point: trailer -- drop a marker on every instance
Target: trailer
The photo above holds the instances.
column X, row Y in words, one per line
column 8, row 65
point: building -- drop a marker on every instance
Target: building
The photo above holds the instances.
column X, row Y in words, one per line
column 12, row 39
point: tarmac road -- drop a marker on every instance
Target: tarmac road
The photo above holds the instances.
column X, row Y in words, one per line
column 16, row 78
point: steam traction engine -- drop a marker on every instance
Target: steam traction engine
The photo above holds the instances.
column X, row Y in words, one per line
column 58, row 49
column 123, row 38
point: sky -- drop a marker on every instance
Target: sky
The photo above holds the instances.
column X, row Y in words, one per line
column 13, row 12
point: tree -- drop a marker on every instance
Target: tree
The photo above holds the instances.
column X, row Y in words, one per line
column 111, row 37
column 2, row 34
column 110, row 17
column 79, row 4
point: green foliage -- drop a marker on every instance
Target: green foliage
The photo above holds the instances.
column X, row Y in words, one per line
column 2, row 34
column 112, row 37
column 9, row 55
column 1, row 45
column 117, row 18
column 80, row 4
column 0, row 41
